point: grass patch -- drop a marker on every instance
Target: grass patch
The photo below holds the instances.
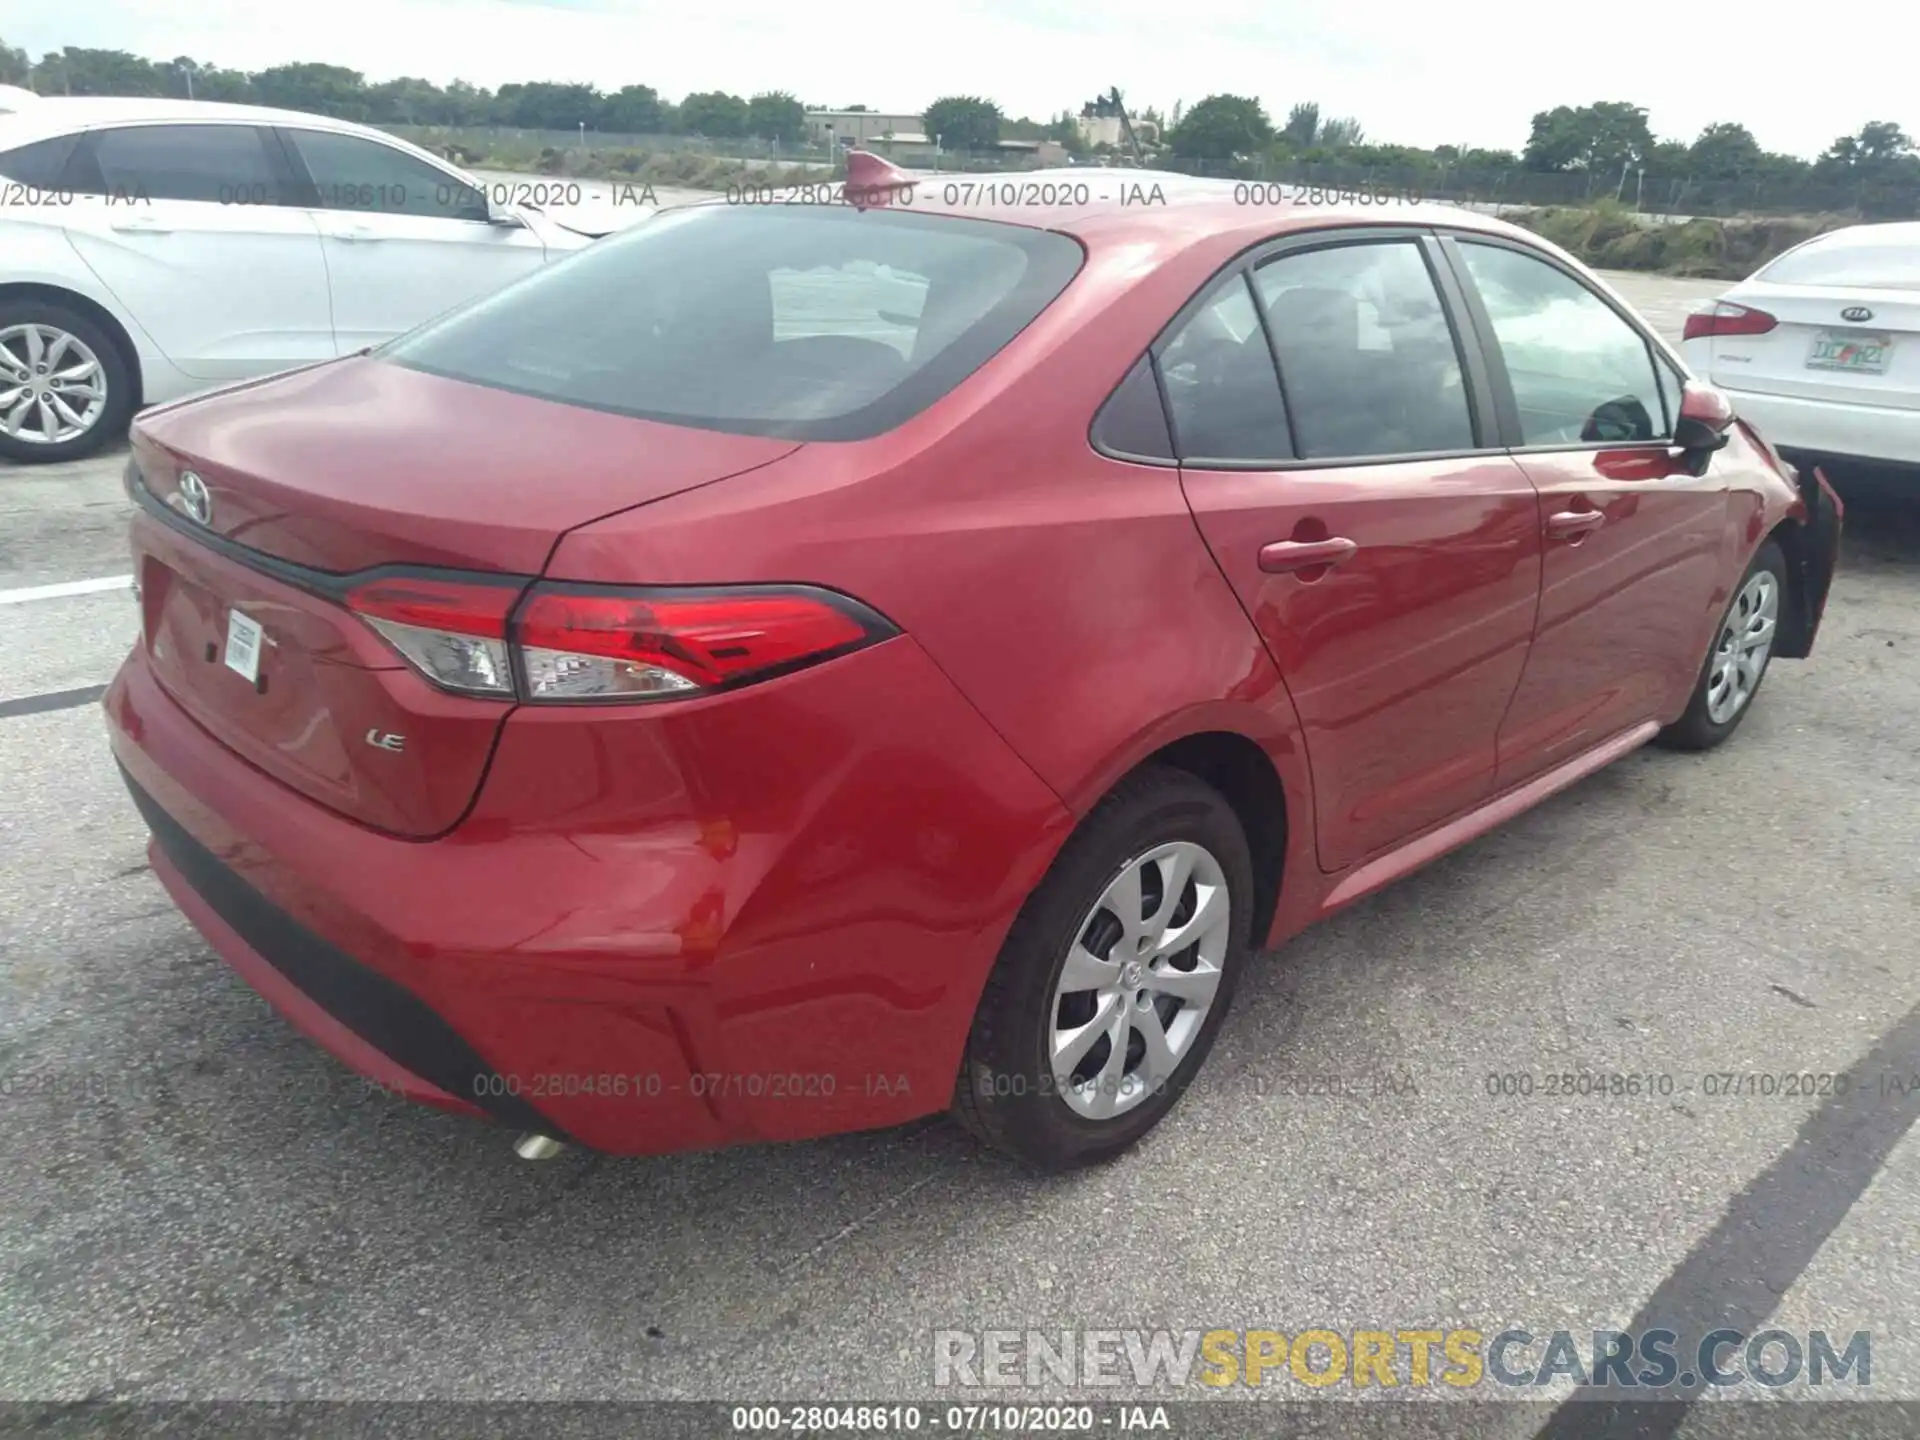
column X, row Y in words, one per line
column 1609, row 235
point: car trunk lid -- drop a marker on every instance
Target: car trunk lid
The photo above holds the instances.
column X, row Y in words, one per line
column 1852, row 345
column 305, row 483
column 358, row 463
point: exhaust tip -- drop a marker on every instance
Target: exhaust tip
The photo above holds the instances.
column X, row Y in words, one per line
column 535, row 1146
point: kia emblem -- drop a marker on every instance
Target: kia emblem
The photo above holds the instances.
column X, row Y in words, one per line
column 1856, row 313
column 195, row 501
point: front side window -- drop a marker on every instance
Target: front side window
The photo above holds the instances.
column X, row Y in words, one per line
column 1580, row 373
column 1222, row 393
column 350, row 173
column 220, row 164
column 1670, row 393
column 805, row 323
column 1366, row 353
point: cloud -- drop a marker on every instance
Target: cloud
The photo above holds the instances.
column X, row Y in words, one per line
column 1406, row 70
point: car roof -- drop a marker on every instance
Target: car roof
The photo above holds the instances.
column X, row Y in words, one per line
column 1113, row 204
column 62, row 114
column 1884, row 232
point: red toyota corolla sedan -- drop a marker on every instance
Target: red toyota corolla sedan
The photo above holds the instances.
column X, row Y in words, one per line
column 789, row 669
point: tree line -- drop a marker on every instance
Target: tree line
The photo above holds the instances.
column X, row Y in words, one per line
column 348, row 95
column 1609, row 140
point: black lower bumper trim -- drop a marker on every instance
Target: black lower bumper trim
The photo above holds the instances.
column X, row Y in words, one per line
column 384, row 1013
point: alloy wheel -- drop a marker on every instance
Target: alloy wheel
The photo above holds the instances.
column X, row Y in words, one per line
column 1139, row 980
column 52, row 386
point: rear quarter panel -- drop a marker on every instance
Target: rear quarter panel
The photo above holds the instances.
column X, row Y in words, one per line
column 1067, row 595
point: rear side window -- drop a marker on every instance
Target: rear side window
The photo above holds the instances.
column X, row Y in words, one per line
column 1222, row 392
column 803, row 323
column 1876, row 256
column 1132, row 424
column 1580, row 373
column 1366, row 352
column 39, row 164
column 221, row 164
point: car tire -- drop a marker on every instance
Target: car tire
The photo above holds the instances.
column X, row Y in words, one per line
column 116, row 374
column 1166, row 829
column 1738, row 656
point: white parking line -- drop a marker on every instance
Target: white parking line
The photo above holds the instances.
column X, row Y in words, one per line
column 65, row 588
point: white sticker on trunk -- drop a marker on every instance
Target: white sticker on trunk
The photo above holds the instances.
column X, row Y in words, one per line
column 243, row 646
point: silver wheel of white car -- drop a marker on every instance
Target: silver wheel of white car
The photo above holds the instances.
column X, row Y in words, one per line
column 65, row 385
column 52, row 386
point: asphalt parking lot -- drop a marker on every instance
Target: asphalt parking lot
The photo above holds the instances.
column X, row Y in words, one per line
column 197, row 1203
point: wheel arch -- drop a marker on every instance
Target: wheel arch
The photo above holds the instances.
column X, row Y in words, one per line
column 1246, row 778
column 1248, row 745
column 94, row 311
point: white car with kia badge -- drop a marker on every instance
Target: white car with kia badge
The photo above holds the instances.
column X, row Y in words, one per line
column 1820, row 348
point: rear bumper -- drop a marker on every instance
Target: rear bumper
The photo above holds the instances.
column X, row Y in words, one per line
column 358, row 1015
column 659, row 961
column 1862, row 434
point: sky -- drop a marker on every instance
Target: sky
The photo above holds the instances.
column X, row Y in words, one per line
column 1410, row 71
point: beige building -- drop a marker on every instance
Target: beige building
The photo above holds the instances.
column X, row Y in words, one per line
column 915, row 148
column 1107, row 130
column 859, row 126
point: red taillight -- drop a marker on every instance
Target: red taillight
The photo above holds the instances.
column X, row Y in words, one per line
column 435, row 604
column 453, row 631
column 614, row 642
column 1723, row 317
column 596, row 642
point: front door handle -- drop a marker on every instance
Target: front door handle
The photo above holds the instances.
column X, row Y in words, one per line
column 141, row 225
column 355, row 232
column 1285, row 556
column 1572, row 524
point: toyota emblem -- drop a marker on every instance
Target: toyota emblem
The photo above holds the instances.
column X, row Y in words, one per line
column 1856, row 313
column 195, row 502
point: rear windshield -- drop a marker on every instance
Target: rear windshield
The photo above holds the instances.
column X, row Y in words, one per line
column 1887, row 257
column 805, row 323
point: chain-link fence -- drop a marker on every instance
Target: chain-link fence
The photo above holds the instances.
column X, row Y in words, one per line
column 1675, row 196
column 1662, row 196
column 487, row 142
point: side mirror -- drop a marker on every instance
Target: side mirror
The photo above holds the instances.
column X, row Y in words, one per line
column 1705, row 422
column 505, row 216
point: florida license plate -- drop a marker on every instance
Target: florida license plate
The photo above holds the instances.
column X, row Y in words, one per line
column 243, row 646
column 1853, row 351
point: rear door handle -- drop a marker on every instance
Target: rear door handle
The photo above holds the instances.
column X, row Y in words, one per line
column 1285, row 556
column 355, row 233
column 1569, row 524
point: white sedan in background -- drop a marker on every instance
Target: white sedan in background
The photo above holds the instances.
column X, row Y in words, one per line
column 153, row 248
column 1820, row 348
